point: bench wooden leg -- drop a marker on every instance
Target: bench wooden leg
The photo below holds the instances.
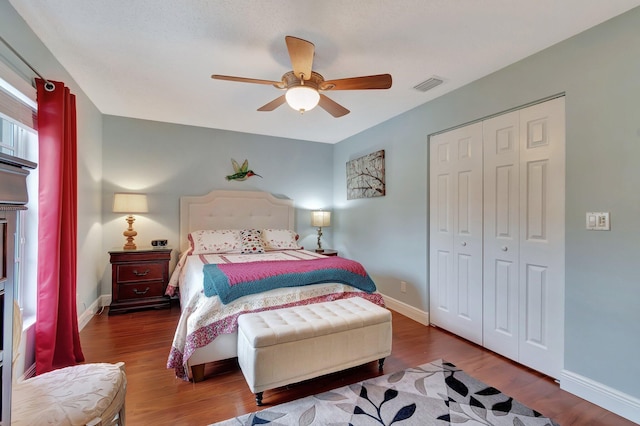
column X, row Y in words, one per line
column 259, row 399
column 380, row 364
column 197, row 373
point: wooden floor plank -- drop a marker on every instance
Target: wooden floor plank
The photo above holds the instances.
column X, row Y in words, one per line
column 155, row 396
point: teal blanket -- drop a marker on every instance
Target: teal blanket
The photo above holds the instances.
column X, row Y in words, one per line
column 230, row 281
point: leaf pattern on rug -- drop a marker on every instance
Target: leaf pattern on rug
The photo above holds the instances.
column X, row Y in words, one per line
column 456, row 385
column 396, row 377
column 431, row 394
column 403, row 413
column 331, row 396
column 420, row 386
column 307, row 417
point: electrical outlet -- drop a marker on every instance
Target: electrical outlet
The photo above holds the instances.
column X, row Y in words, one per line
column 403, row 286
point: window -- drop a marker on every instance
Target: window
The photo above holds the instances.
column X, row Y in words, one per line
column 19, row 140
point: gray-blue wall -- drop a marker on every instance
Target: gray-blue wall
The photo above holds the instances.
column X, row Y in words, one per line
column 167, row 161
column 599, row 70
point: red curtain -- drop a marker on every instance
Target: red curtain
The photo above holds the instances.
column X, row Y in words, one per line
column 57, row 336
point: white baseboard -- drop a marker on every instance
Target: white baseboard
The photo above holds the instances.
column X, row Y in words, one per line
column 408, row 311
column 604, row 396
column 85, row 317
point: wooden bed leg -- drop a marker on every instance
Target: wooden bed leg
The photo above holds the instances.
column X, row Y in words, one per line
column 197, row 373
column 380, row 364
column 259, row 399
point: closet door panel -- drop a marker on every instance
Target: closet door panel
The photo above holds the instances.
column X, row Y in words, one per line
column 440, row 229
column 441, row 269
column 456, row 233
column 536, row 287
column 501, row 234
column 541, row 304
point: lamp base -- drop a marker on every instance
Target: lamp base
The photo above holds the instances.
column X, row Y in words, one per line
column 319, row 249
column 130, row 234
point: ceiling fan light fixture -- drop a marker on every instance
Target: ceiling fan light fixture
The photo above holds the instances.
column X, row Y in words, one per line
column 302, row 98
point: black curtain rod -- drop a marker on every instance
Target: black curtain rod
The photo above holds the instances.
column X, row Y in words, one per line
column 49, row 86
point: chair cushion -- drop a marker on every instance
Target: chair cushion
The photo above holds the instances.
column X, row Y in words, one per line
column 69, row 396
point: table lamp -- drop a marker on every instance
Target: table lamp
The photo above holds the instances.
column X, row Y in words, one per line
column 320, row 218
column 125, row 202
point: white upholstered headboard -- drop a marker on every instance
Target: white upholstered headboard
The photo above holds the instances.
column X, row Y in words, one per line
column 234, row 210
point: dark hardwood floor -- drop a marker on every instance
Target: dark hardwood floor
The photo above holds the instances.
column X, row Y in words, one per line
column 156, row 397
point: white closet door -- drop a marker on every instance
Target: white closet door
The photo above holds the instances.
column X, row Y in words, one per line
column 455, row 200
column 501, row 233
column 542, row 190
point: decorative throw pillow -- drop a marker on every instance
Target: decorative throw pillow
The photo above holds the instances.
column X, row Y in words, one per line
column 251, row 241
column 213, row 241
column 280, row 239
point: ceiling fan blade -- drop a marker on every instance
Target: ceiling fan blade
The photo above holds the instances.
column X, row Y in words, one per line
column 332, row 107
column 273, row 104
column 301, row 53
column 380, row 81
column 247, row 80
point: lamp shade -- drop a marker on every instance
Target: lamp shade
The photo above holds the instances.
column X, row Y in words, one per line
column 320, row 218
column 302, row 98
column 126, row 202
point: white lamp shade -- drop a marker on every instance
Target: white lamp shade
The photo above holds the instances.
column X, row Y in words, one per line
column 302, row 98
column 125, row 202
column 320, row 218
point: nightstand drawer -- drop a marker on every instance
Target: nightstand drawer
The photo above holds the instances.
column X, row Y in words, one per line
column 139, row 272
column 140, row 290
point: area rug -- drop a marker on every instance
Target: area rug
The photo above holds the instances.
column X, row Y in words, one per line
column 437, row 393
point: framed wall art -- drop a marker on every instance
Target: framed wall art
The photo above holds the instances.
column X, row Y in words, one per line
column 365, row 176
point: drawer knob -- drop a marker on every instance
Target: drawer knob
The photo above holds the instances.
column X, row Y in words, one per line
column 141, row 274
column 136, row 291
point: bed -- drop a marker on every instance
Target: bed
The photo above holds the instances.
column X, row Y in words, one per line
column 207, row 328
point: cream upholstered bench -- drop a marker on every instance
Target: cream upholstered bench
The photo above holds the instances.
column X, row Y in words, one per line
column 284, row 346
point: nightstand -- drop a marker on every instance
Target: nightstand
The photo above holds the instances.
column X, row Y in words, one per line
column 139, row 279
column 328, row 252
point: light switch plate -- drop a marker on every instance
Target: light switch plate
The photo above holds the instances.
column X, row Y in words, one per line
column 598, row 221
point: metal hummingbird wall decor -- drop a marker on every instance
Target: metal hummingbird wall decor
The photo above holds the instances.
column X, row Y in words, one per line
column 365, row 176
column 241, row 172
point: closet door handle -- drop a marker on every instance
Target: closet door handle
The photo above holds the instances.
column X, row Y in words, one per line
column 464, row 243
column 505, row 248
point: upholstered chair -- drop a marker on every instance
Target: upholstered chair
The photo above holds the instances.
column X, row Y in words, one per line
column 84, row 394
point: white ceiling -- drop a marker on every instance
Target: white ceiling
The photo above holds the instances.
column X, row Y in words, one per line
column 152, row 59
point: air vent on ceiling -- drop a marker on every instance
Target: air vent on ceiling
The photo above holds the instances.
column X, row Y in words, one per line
column 428, row 84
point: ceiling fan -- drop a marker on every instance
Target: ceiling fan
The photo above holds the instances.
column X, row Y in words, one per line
column 304, row 86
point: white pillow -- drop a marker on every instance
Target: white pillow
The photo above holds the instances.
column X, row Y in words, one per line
column 212, row 241
column 280, row 239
